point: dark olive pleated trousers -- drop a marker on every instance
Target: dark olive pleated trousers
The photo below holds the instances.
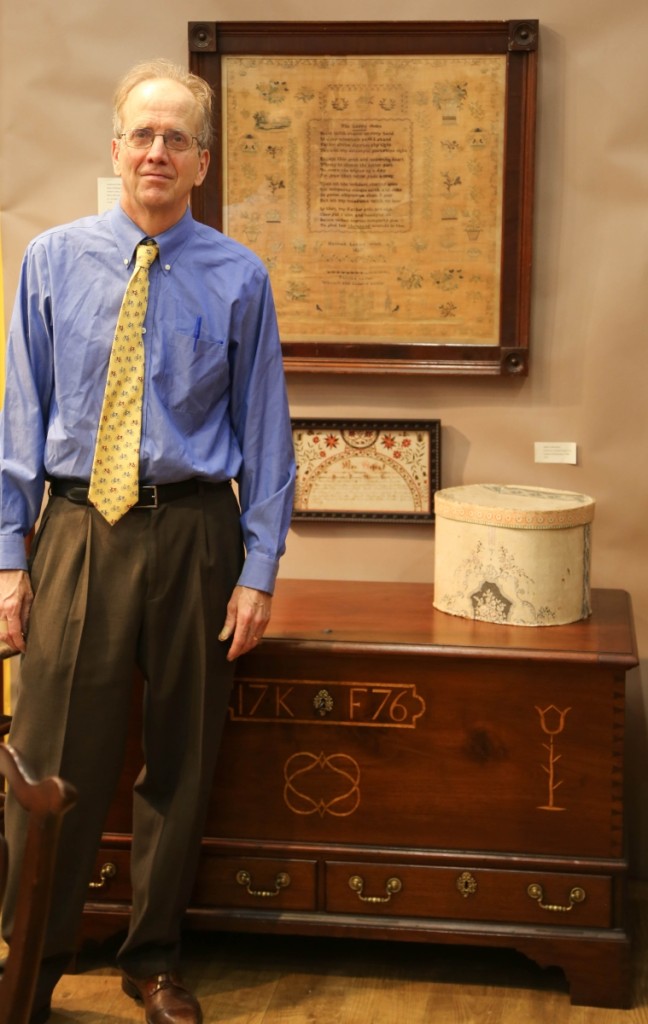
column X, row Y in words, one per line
column 151, row 590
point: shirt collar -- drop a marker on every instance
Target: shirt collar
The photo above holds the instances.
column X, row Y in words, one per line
column 171, row 243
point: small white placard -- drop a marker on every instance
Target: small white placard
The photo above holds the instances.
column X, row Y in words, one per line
column 556, row 451
column 108, row 193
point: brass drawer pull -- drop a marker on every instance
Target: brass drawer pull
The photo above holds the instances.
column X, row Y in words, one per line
column 392, row 886
column 107, row 872
column 576, row 895
column 282, row 881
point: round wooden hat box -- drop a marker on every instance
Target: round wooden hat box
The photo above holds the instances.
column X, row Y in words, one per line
column 511, row 554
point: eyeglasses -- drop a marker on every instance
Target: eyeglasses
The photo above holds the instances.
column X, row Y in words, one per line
column 174, row 139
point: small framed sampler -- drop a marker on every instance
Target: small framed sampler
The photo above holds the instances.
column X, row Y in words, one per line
column 383, row 172
column 367, row 470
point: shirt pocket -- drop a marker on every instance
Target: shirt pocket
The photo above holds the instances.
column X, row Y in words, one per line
column 196, row 369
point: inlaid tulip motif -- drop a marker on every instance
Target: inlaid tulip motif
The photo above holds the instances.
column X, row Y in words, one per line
column 552, row 723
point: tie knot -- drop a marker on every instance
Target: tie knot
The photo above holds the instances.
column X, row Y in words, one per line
column 146, row 254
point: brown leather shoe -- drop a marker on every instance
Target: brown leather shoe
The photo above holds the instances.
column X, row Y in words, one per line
column 165, row 999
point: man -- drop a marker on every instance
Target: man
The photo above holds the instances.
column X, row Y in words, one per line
column 161, row 581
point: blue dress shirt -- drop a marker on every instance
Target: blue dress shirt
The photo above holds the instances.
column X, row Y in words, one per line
column 215, row 403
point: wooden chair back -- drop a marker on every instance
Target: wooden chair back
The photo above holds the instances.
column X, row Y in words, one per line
column 46, row 802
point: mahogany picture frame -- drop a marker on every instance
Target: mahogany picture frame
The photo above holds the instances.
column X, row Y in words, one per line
column 514, row 45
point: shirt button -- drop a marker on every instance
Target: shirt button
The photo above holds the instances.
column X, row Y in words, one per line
column 167, row 266
column 125, row 263
column 143, row 330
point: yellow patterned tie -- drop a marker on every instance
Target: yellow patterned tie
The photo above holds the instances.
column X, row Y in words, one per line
column 114, row 484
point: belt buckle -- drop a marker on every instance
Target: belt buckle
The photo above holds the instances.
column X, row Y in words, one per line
column 148, row 496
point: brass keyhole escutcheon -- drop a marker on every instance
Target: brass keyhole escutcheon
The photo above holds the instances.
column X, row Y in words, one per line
column 467, row 884
column 323, row 703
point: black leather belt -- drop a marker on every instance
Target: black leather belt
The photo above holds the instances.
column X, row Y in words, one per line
column 150, row 495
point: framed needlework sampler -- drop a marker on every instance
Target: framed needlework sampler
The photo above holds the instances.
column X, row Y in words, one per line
column 384, row 174
column 365, row 470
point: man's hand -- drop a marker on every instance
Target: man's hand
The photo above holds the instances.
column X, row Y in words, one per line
column 248, row 614
column 16, row 598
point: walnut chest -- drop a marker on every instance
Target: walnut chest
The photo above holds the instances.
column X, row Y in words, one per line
column 390, row 771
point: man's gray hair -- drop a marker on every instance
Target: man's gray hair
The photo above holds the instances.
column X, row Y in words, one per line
column 162, row 68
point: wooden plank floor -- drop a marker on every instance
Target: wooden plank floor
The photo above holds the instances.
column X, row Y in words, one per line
column 247, row 979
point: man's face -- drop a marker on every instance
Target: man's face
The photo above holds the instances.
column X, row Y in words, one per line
column 156, row 182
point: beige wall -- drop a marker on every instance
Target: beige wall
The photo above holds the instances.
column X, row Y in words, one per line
column 58, row 63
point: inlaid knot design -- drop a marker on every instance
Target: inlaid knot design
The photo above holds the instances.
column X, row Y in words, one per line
column 322, row 784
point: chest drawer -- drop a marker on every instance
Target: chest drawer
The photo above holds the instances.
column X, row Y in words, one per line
column 259, row 882
column 529, row 897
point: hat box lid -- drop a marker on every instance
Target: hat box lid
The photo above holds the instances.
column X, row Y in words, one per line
column 515, row 507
